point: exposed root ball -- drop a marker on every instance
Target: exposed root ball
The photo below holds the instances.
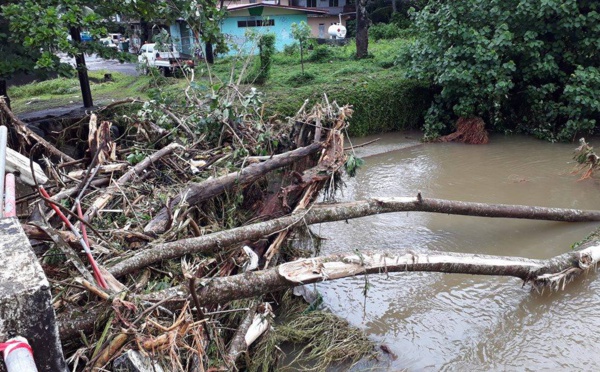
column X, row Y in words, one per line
column 471, row 131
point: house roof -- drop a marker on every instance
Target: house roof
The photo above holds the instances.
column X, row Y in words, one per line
column 257, row 5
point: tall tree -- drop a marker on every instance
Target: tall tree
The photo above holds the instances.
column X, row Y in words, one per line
column 362, row 29
column 51, row 26
column 15, row 57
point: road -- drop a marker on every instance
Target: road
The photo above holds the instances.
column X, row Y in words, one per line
column 95, row 63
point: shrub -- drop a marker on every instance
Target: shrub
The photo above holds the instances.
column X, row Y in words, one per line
column 526, row 66
column 291, row 49
column 384, row 31
column 381, row 15
column 266, row 47
column 386, row 103
column 321, row 53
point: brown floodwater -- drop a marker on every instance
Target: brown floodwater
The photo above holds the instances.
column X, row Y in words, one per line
column 452, row 322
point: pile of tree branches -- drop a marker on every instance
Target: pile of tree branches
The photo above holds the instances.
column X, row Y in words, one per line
column 187, row 218
column 164, row 210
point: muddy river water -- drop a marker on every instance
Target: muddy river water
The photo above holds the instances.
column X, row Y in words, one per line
column 455, row 322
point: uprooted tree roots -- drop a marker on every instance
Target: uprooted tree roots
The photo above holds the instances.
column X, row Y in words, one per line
column 471, row 131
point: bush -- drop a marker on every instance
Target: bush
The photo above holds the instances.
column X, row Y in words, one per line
column 384, row 31
column 291, row 49
column 384, row 104
column 266, row 47
column 526, row 66
column 321, row 53
column 301, row 78
column 381, row 15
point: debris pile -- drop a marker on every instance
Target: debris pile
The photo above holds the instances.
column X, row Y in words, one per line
column 157, row 206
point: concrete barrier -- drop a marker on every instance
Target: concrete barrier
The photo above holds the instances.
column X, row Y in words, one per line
column 25, row 299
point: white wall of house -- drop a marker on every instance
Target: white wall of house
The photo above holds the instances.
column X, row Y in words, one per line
column 333, row 6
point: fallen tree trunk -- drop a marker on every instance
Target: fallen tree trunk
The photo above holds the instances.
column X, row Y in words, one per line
column 553, row 273
column 198, row 192
column 35, row 232
column 342, row 211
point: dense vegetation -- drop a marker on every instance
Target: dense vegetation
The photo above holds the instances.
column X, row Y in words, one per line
column 529, row 66
column 523, row 66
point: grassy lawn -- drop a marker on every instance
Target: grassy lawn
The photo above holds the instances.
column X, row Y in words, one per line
column 66, row 91
column 383, row 99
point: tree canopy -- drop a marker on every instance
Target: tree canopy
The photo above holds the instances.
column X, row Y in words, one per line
column 525, row 65
column 32, row 32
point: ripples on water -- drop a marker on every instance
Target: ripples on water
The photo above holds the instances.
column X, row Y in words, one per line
column 434, row 321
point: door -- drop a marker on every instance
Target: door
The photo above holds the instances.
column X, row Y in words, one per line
column 321, row 31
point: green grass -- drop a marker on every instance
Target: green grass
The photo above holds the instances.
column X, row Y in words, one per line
column 66, row 91
column 382, row 98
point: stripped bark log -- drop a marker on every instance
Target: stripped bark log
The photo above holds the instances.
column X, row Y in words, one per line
column 339, row 212
column 198, row 192
column 238, row 345
column 101, row 201
column 104, row 169
column 552, row 273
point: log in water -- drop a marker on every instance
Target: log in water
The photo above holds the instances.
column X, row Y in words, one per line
column 458, row 322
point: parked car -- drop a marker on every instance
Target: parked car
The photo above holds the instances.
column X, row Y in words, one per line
column 107, row 41
column 166, row 61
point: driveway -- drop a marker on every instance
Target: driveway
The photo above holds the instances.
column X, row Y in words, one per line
column 95, row 63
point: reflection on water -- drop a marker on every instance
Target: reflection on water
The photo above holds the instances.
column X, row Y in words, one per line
column 457, row 322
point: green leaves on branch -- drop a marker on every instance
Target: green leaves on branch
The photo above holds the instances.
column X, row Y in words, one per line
column 521, row 65
column 301, row 32
column 352, row 164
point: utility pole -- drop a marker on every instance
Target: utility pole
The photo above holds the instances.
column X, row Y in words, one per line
column 84, row 81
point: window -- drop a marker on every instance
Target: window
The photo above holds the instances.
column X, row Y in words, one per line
column 265, row 22
column 256, row 23
column 334, row 3
column 311, row 3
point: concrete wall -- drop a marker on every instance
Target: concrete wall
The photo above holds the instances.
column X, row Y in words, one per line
column 25, row 299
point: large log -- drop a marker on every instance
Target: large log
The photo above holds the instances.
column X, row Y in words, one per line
column 339, row 212
column 198, row 192
column 553, row 273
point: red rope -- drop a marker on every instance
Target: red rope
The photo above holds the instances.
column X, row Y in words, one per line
column 86, row 247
